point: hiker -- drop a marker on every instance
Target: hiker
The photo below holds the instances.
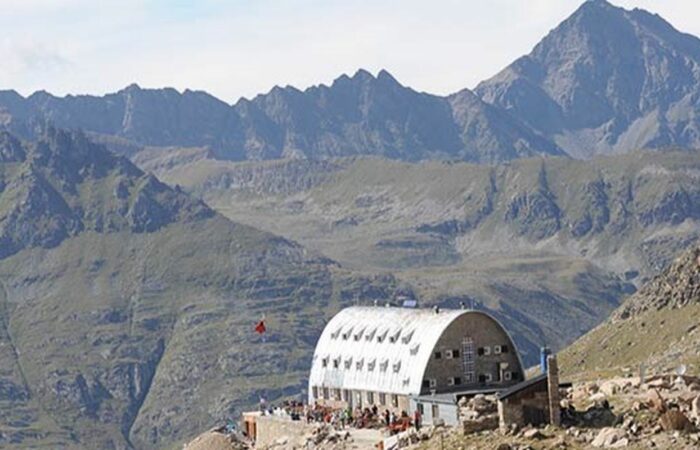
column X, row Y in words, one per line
column 417, row 419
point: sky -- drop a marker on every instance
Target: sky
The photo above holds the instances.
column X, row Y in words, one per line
column 240, row 48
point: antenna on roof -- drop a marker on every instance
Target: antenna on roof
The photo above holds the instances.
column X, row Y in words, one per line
column 462, row 305
column 436, row 308
column 376, row 302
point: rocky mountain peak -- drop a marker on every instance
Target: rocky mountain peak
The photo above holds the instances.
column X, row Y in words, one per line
column 676, row 287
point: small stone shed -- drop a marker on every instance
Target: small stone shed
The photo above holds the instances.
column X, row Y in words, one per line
column 532, row 402
column 443, row 408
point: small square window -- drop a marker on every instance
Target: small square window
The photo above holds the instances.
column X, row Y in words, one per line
column 480, row 351
column 496, row 349
column 382, row 398
column 455, row 353
column 426, row 383
column 438, row 355
column 433, row 382
column 504, row 349
column 487, row 351
column 448, row 354
column 508, row 376
column 324, row 362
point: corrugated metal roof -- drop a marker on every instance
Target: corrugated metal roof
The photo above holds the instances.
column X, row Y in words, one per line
column 391, row 348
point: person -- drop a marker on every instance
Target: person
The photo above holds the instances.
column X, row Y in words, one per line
column 417, row 417
column 387, row 417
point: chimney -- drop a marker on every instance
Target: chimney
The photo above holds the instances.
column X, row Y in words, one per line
column 553, row 390
column 544, row 354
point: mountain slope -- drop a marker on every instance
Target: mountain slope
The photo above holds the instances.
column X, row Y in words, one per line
column 606, row 80
column 656, row 327
column 125, row 303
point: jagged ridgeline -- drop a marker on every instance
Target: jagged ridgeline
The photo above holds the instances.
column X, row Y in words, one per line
column 657, row 327
column 127, row 307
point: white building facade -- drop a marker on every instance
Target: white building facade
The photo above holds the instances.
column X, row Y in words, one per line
column 384, row 355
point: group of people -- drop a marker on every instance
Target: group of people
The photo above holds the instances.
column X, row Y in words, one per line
column 369, row 417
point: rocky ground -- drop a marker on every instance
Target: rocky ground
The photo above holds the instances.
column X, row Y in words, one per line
column 663, row 413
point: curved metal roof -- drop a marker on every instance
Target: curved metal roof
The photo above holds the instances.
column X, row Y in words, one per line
column 380, row 349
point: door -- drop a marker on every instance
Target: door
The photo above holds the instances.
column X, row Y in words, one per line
column 533, row 416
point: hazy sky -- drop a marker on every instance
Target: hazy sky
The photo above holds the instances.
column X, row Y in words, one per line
column 243, row 47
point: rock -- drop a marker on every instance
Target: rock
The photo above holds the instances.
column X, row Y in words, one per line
column 609, row 388
column 655, row 401
column 622, row 443
column 607, row 437
column 597, row 397
column 695, row 407
column 504, row 447
column 533, row 433
column 675, row 420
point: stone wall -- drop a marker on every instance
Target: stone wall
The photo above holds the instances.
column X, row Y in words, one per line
column 270, row 429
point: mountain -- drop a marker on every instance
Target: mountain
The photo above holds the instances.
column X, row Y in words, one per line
column 627, row 214
column 127, row 306
column 366, row 115
column 606, row 80
column 358, row 115
column 656, row 327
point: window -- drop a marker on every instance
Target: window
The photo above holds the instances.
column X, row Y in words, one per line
column 426, row 384
column 348, row 363
column 515, row 375
column 326, row 393
column 380, row 338
column 436, row 411
column 336, row 394
column 395, row 400
column 346, row 395
column 454, row 381
column 406, row 381
column 369, row 336
column 336, row 363
column 347, row 334
column 480, row 351
column 482, row 378
column 448, row 354
column 359, row 334
column 324, row 362
column 487, row 351
column 395, row 337
column 468, row 359
column 371, row 364
column 397, row 366
column 489, row 378
column 414, row 349
column 438, row 355
column 384, row 365
column 336, row 333
column 421, row 408
column 455, row 353
column 432, row 382
column 496, row 349
column 382, row 398
column 359, row 364
column 507, row 376
column 370, row 397
column 407, row 337
column 314, row 391
column 504, row 349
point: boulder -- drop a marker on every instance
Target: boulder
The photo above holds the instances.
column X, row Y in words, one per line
column 533, row 433
column 674, row 420
column 607, row 437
